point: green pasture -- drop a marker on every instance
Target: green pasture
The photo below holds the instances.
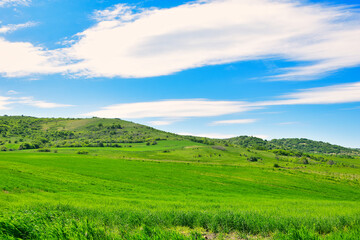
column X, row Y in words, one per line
column 176, row 190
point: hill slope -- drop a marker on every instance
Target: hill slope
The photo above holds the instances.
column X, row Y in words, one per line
column 167, row 186
column 293, row 144
column 19, row 132
column 30, row 132
column 168, row 191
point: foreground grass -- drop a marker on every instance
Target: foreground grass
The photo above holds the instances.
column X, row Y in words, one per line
column 185, row 192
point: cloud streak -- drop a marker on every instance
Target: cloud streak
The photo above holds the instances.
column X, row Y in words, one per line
column 6, row 3
column 341, row 93
column 209, row 135
column 171, row 109
column 129, row 42
column 13, row 27
column 177, row 109
column 4, row 101
column 234, row 121
column 39, row 104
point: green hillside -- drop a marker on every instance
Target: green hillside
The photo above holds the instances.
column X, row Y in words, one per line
column 30, row 132
column 141, row 183
column 295, row 144
column 20, row 132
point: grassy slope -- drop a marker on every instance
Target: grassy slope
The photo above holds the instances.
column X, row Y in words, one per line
column 61, row 132
column 175, row 190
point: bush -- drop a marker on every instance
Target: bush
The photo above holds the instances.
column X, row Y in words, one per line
column 44, row 150
column 26, row 146
column 276, row 165
column 330, row 162
column 83, row 152
column 3, row 149
column 305, row 161
column 253, row 159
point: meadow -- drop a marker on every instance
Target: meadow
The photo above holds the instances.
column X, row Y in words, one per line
column 177, row 189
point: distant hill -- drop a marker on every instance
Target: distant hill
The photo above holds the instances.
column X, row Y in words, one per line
column 31, row 132
column 297, row 144
column 22, row 132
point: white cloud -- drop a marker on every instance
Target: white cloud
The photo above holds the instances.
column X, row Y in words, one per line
column 13, row 27
column 40, row 104
column 12, row 92
column 219, row 135
column 234, row 121
column 162, row 122
column 209, row 135
column 23, row 58
column 183, row 108
column 341, row 93
column 129, row 42
column 171, row 109
column 4, row 101
column 5, row 3
column 119, row 12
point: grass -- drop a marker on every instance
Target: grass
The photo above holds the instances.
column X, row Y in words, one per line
column 176, row 190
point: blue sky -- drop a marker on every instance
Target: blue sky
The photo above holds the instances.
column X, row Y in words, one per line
column 216, row 68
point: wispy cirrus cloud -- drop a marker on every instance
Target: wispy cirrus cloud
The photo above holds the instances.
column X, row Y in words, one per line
column 165, row 122
column 190, row 108
column 340, row 93
column 7, row 102
column 39, row 104
column 4, row 102
column 6, row 3
column 12, row 92
column 234, row 121
column 208, row 135
column 219, row 135
column 13, row 27
column 171, row 109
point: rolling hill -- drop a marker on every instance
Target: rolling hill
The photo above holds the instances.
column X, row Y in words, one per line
column 29, row 132
column 113, row 179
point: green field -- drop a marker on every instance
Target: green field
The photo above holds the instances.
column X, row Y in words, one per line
column 176, row 190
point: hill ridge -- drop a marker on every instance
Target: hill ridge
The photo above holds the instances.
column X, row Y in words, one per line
column 23, row 132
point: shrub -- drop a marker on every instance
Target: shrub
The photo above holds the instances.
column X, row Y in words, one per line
column 26, row 146
column 276, row 165
column 82, row 152
column 253, row 159
column 44, row 150
column 305, row 161
column 3, row 149
column 330, row 162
